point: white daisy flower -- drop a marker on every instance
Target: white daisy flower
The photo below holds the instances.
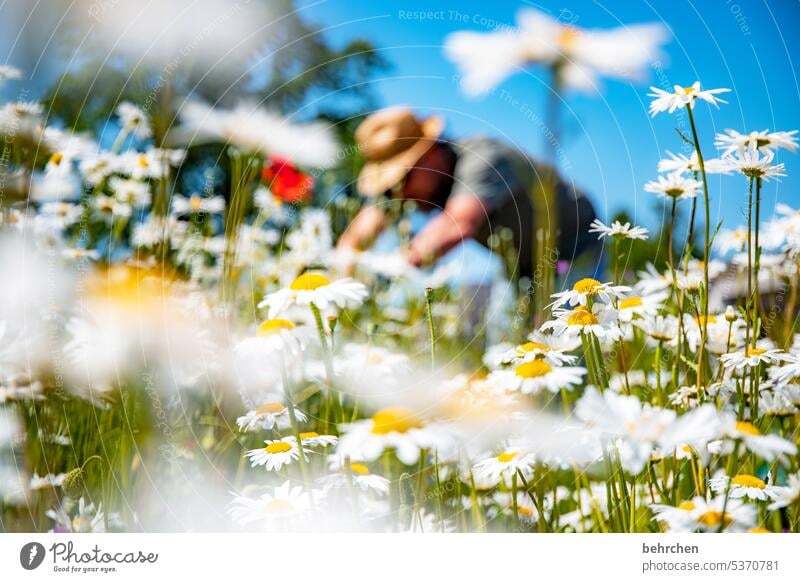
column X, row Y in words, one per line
column 48, row 481
column 633, row 429
column 268, row 416
column 502, row 467
column 768, row 447
column 316, row 288
column 533, row 376
column 742, row 485
column 60, row 214
column 636, row 307
column 134, row 120
column 358, row 474
column 731, row 240
column 7, row 72
column 313, row 439
column 674, row 185
column 486, row 59
column 734, row 142
column 273, row 336
column 618, row 230
column 707, row 516
column 395, row 428
column 132, row 192
column 87, row 520
column 284, row 502
column 691, row 164
column 197, row 204
column 753, row 164
column 751, row 357
column 586, row 289
column 785, row 496
column 108, row 209
column 540, row 346
column 601, row 321
column 275, row 454
column 681, row 97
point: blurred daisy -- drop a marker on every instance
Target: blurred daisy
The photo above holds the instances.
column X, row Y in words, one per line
column 707, row 516
column 87, row 520
column 618, row 230
column 356, row 473
column 315, row 288
column 785, row 496
column 275, row 454
column 197, row 204
column 545, row 349
column 133, row 192
column 134, row 120
column 768, row 447
column 275, row 335
column 282, row 503
column 681, row 97
column 674, row 185
column 268, row 416
column 734, row 142
column 395, row 428
column 7, row 72
column 486, row 59
column 254, row 129
column 589, row 288
column 731, row 240
column 533, row 376
column 683, row 164
column 503, row 466
column 742, row 485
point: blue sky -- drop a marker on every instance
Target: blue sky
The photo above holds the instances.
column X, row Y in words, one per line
column 611, row 144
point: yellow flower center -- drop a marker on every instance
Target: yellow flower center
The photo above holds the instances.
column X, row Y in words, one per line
column 748, row 481
column 273, row 326
column 526, row 511
column 359, row 469
column 568, row 36
column 747, row 428
column 688, row 90
column 702, row 318
column 507, row 457
column 308, row 435
column 195, row 203
column 277, row 506
column 309, row 282
column 587, row 285
column 56, row 158
column 279, row 447
column 582, row 317
column 758, row 530
column 271, row 408
column 394, row 419
column 714, row 518
column 754, row 351
column 143, row 162
column 631, row 302
column 530, row 346
column 686, row 505
column 533, row 369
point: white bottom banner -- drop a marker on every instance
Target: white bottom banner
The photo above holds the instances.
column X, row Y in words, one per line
column 389, row 557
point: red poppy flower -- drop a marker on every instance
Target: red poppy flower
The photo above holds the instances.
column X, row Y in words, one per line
column 286, row 182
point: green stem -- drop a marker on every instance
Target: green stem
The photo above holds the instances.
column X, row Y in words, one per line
column 431, row 330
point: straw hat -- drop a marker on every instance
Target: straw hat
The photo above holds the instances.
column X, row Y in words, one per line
column 392, row 141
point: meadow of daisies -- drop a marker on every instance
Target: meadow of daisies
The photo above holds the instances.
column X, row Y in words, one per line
column 177, row 362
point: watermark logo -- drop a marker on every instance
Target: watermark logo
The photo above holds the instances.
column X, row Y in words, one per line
column 31, row 555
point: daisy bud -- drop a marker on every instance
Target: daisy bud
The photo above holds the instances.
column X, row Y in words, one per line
column 730, row 314
column 332, row 319
column 74, row 486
